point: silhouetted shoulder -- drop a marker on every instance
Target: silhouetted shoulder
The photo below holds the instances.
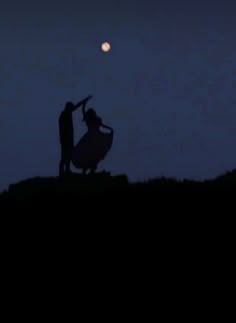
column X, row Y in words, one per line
column 62, row 114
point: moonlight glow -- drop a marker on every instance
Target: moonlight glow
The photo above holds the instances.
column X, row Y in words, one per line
column 106, row 47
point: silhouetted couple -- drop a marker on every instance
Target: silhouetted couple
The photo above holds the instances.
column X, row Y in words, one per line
column 92, row 147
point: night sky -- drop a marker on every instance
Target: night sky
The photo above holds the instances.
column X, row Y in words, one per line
column 167, row 86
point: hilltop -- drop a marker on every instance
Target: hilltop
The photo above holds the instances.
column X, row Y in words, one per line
column 104, row 186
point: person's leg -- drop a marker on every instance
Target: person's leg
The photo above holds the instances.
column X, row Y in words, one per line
column 68, row 159
column 93, row 170
column 67, row 170
column 61, row 169
column 62, row 163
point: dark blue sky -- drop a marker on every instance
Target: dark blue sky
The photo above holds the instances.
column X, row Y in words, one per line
column 167, row 87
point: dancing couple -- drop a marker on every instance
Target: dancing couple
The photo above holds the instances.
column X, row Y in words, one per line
column 91, row 148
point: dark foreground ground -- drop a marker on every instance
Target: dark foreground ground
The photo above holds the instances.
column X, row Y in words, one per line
column 104, row 221
column 76, row 189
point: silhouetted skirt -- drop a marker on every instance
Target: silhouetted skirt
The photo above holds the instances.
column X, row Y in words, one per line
column 91, row 149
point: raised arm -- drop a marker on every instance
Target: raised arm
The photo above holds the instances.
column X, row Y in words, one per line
column 83, row 109
column 83, row 103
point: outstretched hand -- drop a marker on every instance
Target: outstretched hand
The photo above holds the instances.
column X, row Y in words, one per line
column 87, row 98
column 84, row 101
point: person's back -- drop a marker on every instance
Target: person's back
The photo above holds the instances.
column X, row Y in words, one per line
column 66, row 133
column 66, row 128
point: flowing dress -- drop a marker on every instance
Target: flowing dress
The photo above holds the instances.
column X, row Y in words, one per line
column 92, row 148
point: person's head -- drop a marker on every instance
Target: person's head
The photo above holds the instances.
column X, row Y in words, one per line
column 90, row 114
column 69, row 106
column 92, row 118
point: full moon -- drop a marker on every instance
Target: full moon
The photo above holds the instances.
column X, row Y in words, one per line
column 106, row 47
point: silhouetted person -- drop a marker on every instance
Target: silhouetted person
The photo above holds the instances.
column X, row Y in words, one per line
column 91, row 118
column 94, row 145
column 66, row 132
